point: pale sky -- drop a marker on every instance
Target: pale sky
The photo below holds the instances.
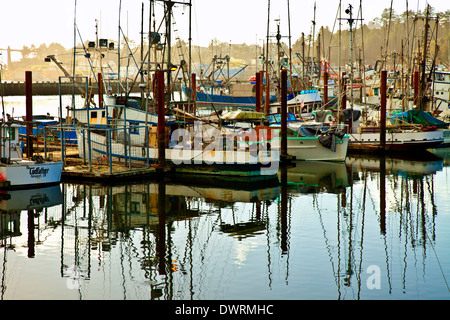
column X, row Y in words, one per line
column 32, row 22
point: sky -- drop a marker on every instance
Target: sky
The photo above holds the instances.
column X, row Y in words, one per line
column 31, row 22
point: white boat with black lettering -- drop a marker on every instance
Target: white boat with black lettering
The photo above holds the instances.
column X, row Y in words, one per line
column 16, row 172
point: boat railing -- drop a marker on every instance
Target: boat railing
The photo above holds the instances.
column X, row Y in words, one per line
column 108, row 148
column 339, row 127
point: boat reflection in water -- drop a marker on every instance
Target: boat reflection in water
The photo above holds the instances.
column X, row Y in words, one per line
column 34, row 202
column 315, row 234
column 317, row 176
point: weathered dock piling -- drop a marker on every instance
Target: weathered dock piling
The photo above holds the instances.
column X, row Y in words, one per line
column 383, row 109
column 258, row 96
column 29, row 111
column 284, row 154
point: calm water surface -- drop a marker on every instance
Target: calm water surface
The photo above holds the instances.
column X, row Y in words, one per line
column 367, row 229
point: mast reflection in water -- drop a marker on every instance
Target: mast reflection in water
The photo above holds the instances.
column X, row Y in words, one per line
column 370, row 228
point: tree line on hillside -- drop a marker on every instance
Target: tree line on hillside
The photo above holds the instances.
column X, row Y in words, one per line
column 387, row 37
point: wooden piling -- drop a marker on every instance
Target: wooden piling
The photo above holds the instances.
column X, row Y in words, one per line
column 29, row 111
column 283, row 98
column 383, row 88
column 267, row 102
column 193, row 93
column 100, row 90
column 258, row 92
column 416, row 88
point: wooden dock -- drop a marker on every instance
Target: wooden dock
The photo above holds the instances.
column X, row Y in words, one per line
column 75, row 169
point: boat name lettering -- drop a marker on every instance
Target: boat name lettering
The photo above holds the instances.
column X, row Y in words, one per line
column 38, row 171
column 39, row 200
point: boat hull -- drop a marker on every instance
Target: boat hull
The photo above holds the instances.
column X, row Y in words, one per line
column 234, row 162
column 400, row 141
column 28, row 174
column 311, row 149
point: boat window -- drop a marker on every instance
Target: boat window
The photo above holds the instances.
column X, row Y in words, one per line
column 291, row 132
column 94, row 114
column 11, row 134
column 134, row 207
column 278, row 117
column 134, row 127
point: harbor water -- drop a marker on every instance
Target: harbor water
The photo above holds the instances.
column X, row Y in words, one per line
column 367, row 229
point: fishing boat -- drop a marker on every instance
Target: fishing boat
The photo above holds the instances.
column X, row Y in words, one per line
column 310, row 140
column 397, row 139
column 441, row 91
column 402, row 135
column 225, row 96
column 216, row 89
column 16, row 172
column 303, row 104
column 46, row 129
column 193, row 148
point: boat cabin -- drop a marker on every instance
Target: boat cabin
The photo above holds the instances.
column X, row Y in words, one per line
column 441, row 89
column 10, row 147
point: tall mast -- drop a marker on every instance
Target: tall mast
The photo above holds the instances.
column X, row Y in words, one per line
column 279, row 58
column 147, row 96
column 350, row 22
column 118, row 51
column 169, row 5
column 74, row 55
column 267, row 61
column 423, row 82
column 313, row 43
column 74, row 37
column 142, row 47
column 339, row 61
column 190, row 50
column 290, row 45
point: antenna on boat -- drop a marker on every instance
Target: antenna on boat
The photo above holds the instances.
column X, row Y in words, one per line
column 313, row 42
column 350, row 21
column 290, row 44
column 267, row 104
column 118, row 50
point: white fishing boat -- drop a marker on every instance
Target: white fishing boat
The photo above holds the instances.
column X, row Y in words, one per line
column 16, row 172
column 365, row 135
column 303, row 104
column 401, row 134
column 310, row 141
column 397, row 139
column 441, row 91
column 218, row 151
